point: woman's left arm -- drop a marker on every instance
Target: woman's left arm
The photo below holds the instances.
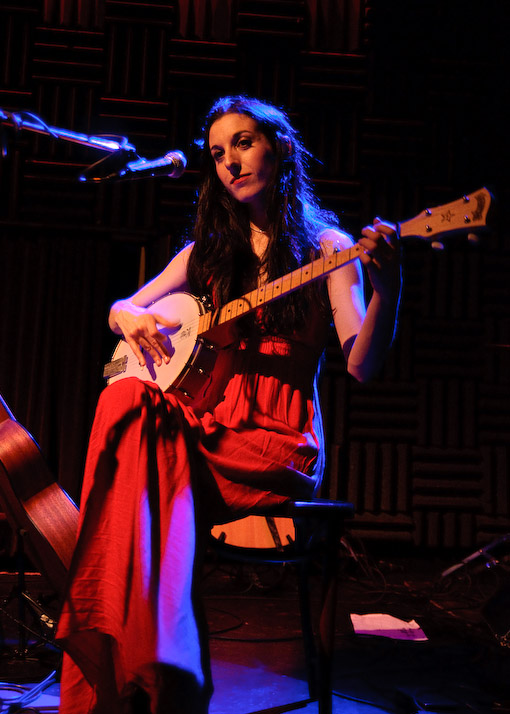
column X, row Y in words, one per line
column 366, row 333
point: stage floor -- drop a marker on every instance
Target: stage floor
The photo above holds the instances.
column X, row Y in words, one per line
column 257, row 652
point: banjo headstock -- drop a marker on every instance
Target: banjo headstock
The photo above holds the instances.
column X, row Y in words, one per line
column 466, row 215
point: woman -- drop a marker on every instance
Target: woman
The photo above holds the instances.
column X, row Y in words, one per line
column 160, row 473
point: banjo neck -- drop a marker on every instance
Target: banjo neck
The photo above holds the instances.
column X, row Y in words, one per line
column 464, row 215
column 275, row 289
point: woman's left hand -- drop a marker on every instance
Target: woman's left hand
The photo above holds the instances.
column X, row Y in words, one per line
column 381, row 258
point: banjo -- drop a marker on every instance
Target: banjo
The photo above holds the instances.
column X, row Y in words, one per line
column 192, row 344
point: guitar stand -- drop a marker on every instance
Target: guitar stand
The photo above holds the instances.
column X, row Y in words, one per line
column 21, row 651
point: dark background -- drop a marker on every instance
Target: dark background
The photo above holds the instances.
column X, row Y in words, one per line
column 402, row 104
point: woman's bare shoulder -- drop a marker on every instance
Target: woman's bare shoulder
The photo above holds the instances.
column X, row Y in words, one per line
column 334, row 239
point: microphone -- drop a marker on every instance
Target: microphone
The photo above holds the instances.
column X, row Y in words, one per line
column 172, row 165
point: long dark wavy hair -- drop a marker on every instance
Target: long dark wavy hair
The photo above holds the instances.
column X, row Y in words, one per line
column 222, row 262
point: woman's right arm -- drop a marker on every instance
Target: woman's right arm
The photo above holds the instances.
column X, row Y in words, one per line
column 131, row 318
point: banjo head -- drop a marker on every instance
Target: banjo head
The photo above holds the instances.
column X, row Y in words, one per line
column 190, row 359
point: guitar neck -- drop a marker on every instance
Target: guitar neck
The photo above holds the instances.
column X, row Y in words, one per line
column 276, row 288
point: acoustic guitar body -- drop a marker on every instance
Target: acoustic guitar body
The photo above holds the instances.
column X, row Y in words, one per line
column 37, row 508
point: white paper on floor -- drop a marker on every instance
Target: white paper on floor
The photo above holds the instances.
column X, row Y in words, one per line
column 383, row 625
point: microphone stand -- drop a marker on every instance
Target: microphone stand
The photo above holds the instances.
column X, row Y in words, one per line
column 489, row 558
column 120, row 151
column 121, row 154
column 121, row 162
column 30, row 122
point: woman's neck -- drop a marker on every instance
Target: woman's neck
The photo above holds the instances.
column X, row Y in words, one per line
column 259, row 241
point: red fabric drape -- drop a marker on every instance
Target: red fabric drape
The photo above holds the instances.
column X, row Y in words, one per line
column 81, row 13
column 206, row 19
column 54, row 294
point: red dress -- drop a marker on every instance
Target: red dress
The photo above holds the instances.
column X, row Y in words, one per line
column 158, row 475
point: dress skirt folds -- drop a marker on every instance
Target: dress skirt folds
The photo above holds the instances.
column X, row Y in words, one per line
column 158, row 475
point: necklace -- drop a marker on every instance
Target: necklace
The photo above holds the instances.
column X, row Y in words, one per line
column 257, row 230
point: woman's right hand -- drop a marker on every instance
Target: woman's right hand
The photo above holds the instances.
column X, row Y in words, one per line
column 140, row 330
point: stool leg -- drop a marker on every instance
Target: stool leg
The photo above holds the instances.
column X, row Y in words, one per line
column 307, row 627
column 328, row 616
